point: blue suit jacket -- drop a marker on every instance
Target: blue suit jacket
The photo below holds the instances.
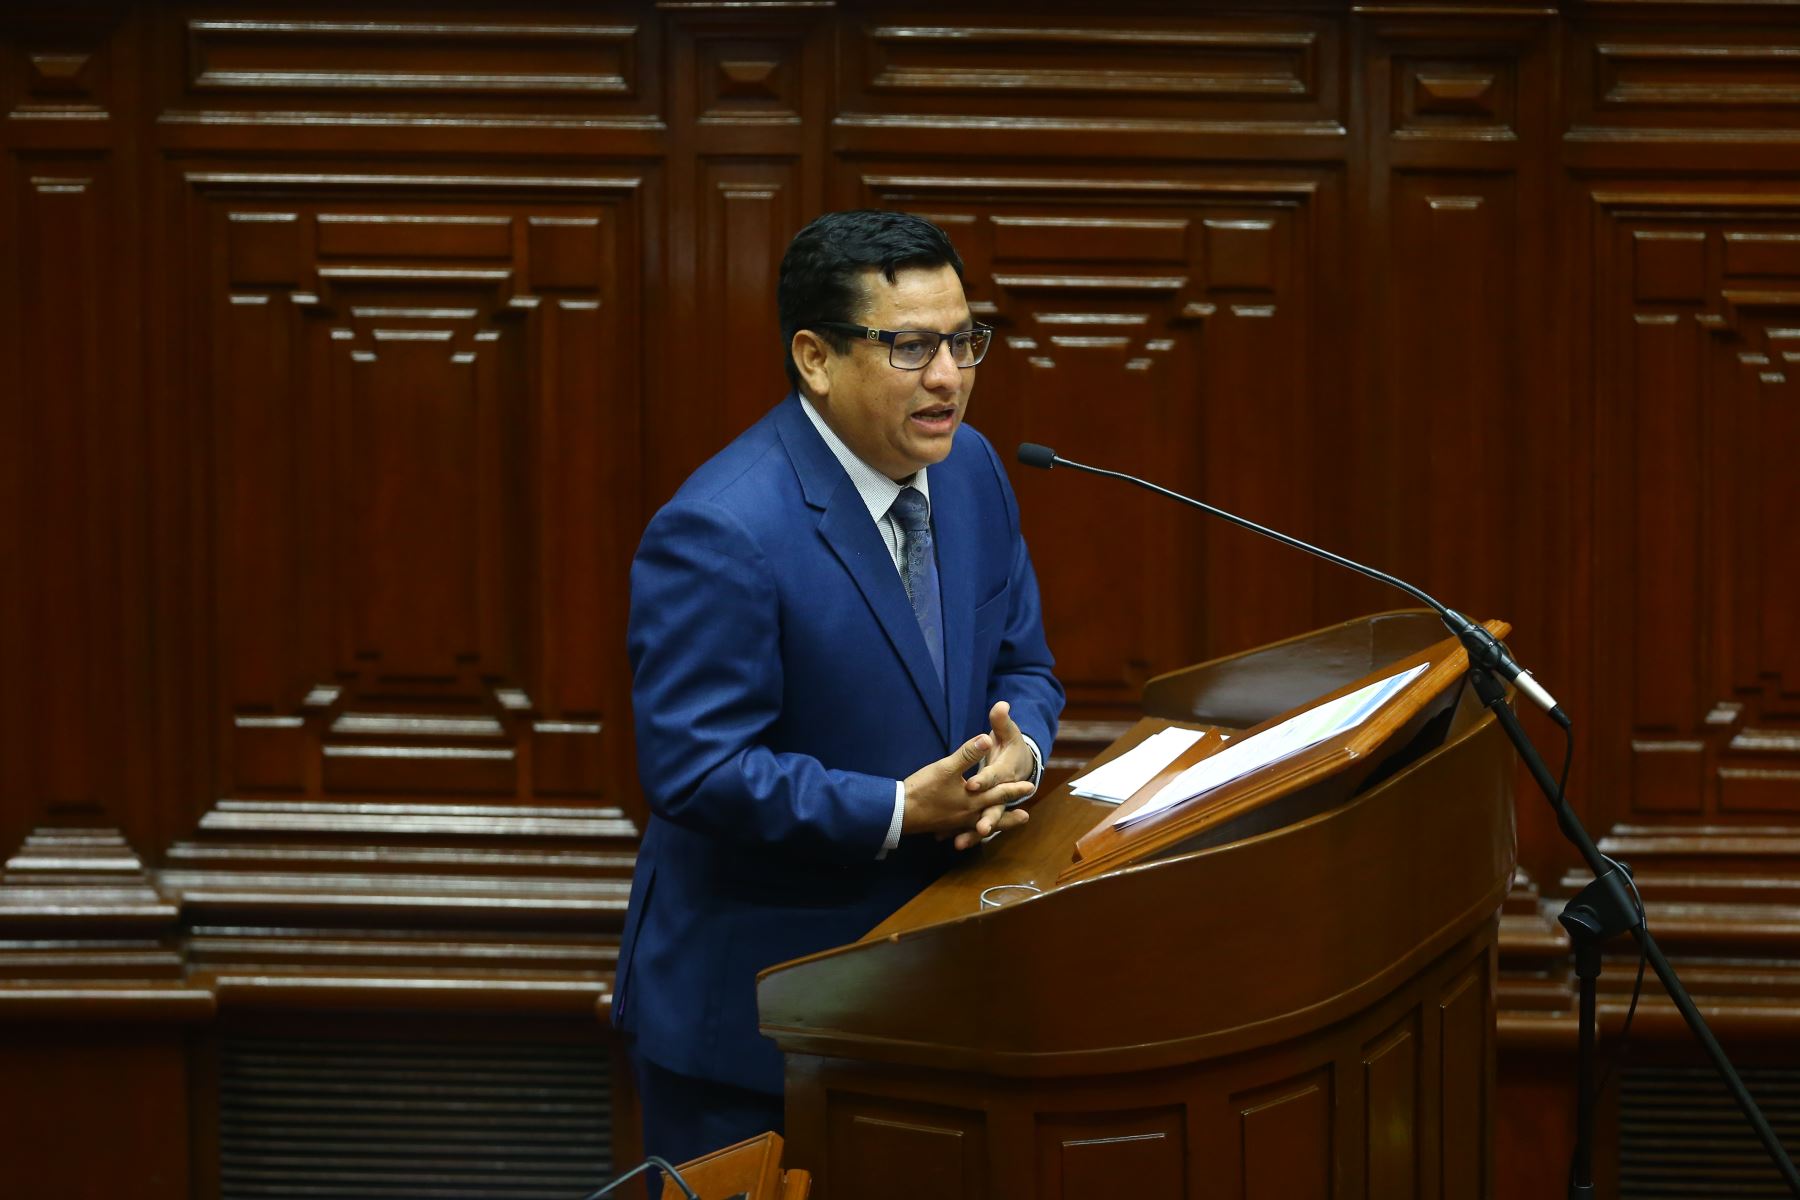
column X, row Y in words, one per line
column 781, row 685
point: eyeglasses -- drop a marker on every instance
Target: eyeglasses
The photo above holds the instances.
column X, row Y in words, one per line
column 913, row 349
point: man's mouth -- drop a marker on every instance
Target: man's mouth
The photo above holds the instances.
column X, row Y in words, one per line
column 936, row 419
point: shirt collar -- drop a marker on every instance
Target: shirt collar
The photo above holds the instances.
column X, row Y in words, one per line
column 877, row 490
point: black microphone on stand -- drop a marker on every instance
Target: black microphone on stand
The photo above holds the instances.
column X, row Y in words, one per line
column 1601, row 910
column 1484, row 648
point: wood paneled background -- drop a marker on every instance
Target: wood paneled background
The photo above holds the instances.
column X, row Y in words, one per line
column 347, row 348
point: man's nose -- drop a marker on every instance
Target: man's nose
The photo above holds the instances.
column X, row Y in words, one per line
column 942, row 371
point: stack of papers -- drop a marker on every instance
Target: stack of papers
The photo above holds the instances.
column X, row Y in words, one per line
column 1277, row 742
column 1117, row 780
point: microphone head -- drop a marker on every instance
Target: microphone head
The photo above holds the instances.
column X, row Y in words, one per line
column 1034, row 455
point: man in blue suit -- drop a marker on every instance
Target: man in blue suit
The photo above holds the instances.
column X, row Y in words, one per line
column 839, row 670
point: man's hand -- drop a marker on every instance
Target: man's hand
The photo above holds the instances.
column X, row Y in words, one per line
column 1009, row 763
column 939, row 800
column 1010, row 760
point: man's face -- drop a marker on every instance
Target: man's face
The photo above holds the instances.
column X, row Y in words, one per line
column 898, row 421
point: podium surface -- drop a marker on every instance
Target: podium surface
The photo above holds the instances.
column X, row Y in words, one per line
column 1291, row 997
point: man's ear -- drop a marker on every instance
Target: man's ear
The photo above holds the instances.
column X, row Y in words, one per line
column 812, row 359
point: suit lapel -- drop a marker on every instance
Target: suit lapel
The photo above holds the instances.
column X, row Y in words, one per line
column 845, row 526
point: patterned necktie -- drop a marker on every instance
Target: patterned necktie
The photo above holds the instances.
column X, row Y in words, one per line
column 918, row 570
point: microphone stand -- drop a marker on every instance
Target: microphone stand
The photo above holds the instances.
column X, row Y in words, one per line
column 1599, row 911
column 655, row 1163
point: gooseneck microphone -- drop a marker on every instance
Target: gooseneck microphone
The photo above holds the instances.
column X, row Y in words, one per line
column 1601, row 909
column 1484, row 648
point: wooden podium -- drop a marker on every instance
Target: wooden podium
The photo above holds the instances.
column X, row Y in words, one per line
column 1283, row 988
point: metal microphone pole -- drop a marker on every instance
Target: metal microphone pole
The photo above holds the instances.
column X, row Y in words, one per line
column 1600, row 910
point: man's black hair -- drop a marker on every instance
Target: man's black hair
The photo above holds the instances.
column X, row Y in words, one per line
column 821, row 273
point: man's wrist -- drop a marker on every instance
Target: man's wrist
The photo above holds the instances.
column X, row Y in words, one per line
column 1037, row 769
column 893, row 834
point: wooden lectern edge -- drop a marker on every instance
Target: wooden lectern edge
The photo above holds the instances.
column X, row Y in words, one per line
column 1106, row 847
column 1149, row 1055
column 1075, row 872
column 1166, row 690
column 1215, row 1044
column 1154, row 681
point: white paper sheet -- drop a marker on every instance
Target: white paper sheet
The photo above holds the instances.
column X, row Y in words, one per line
column 1277, row 742
column 1114, row 782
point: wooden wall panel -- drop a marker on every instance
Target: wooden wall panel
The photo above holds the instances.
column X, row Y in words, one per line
column 1692, row 495
column 393, row 59
column 348, row 350
column 1279, row 70
column 115, row 1116
column 405, row 397
column 748, row 211
column 73, row 742
column 1457, row 367
column 1461, row 431
column 62, row 210
column 1652, row 73
column 753, row 97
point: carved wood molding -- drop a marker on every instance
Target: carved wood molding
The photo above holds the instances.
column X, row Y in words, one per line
column 452, row 911
column 1179, row 74
column 86, row 935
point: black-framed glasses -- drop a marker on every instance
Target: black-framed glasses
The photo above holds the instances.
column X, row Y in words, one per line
column 913, row 349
